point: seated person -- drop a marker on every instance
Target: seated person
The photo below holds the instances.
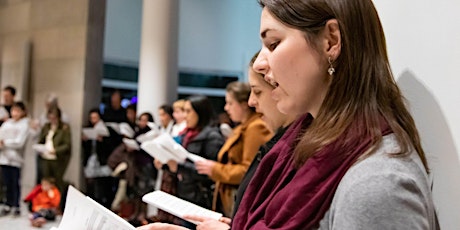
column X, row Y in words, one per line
column 45, row 199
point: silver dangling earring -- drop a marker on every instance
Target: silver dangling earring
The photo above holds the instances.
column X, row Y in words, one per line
column 331, row 69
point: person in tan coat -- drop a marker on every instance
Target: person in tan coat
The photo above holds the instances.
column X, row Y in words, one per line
column 238, row 151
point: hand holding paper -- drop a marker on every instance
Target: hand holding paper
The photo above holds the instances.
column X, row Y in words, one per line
column 177, row 206
column 44, row 151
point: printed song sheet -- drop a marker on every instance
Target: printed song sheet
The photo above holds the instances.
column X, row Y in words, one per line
column 83, row 213
column 177, row 206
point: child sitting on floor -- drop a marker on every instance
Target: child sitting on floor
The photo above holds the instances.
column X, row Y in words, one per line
column 45, row 199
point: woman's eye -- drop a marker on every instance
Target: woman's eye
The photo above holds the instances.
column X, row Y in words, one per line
column 257, row 92
column 273, row 45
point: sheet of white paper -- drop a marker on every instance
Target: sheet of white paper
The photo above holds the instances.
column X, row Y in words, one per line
column 195, row 158
column 90, row 133
column 114, row 126
column 44, row 151
column 158, row 152
column 41, row 148
column 153, row 126
column 101, row 129
column 126, row 130
column 148, row 136
column 83, row 213
column 177, row 206
column 130, row 143
column 167, row 142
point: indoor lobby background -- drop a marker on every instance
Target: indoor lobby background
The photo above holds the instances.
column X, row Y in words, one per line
column 153, row 48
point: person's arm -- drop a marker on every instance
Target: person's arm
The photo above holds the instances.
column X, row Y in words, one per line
column 373, row 200
column 255, row 135
column 211, row 148
column 20, row 139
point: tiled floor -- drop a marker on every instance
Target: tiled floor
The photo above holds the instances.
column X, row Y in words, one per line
column 22, row 222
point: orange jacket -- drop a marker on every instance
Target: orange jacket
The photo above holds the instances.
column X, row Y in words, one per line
column 234, row 159
column 46, row 200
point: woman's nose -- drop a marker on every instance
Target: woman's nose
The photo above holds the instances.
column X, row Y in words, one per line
column 260, row 64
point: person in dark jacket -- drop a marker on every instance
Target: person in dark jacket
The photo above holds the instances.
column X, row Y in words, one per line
column 201, row 137
column 99, row 187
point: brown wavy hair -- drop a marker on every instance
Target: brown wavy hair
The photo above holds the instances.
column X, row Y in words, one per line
column 240, row 91
column 363, row 89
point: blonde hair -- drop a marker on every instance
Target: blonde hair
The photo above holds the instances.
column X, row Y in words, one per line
column 179, row 104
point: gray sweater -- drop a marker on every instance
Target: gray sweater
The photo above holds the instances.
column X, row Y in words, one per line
column 383, row 192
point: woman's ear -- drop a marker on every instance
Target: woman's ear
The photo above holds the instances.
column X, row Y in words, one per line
column 332, row 41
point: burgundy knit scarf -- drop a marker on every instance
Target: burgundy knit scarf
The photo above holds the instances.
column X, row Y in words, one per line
column 188, row 135
column 281, row 197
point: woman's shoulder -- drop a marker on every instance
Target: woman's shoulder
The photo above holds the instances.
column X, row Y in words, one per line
column 211, row 132
column 382, row 164
column 256, row 123
column 386, row 187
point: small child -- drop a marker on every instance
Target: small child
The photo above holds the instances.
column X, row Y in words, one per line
column 45, row 202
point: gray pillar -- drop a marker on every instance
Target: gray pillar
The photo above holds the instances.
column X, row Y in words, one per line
column 158, row 55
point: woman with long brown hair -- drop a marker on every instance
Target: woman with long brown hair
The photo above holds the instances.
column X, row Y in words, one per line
column 354, row 159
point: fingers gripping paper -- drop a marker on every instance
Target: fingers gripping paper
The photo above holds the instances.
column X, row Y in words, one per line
column 177, row 206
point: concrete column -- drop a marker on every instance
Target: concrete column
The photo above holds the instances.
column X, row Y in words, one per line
column 158, row 72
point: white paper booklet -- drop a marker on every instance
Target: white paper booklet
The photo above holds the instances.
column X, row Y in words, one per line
column 44, row 151
column 148, row 136
column 115, row 126
column 172, row 146
column 160, row 153
column 98, row 130
column 101, row 129
column 177, row 206
column 90, row 133
column 126, row 130
column 195, row 158
column 83, row 213
column 130, row 143
column 164, row 148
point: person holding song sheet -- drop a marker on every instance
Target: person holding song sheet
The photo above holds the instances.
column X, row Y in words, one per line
column 353, row 159
column 13, row 136
column 141, row 174
column 239, row 150
column 201, row 137
column 260, row 99
column 55, row 136
column 96, row 151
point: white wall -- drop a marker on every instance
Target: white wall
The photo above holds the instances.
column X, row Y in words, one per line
column 218, row 35
column 123, row 31
column 423, row 42
column 213, row 35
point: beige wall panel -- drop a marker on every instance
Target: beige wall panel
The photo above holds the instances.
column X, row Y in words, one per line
column 12, row 46
column 64, row 77
column 15, row 62
column 14, row 18
column 58, row 13
column 66, row 42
